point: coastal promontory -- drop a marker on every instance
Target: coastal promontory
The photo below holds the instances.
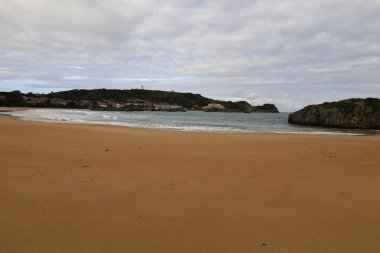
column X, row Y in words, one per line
column 349, row 113
column 129, row 100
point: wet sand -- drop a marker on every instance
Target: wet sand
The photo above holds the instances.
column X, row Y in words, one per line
column 81, row 188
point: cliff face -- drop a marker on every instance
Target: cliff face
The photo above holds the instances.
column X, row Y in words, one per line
column 349, row 113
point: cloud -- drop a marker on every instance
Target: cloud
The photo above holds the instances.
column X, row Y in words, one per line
column 75, row 77
column 123, row 79
column 73, row 67
column 290, row 52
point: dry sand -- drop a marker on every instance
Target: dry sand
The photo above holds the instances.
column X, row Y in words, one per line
column 75, row 188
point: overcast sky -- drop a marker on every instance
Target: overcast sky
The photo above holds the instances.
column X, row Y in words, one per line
column 288, row 52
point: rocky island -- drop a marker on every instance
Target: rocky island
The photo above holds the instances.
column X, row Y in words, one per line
column 349, row 113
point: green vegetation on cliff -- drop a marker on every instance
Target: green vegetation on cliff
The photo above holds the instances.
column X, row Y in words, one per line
column 349, row 105
column 184, row 99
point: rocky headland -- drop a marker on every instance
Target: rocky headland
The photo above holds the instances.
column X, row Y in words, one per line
column 129, row 100
column 349, row 113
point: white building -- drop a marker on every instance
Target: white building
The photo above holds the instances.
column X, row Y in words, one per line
column 213, row 107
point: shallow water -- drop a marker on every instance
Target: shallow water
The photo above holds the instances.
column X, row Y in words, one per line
column 184, row 121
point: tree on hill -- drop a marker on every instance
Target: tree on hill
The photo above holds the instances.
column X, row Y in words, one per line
column 14, row 98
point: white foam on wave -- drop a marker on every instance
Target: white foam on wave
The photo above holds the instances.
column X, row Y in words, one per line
column 105, row 116
column 143, row 120
column 316, row 133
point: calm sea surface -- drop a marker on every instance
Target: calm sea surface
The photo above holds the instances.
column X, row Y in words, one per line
column 183, row 121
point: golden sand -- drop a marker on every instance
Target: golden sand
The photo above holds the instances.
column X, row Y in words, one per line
column 79, row 188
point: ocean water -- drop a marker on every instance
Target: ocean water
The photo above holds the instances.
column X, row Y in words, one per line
column 183, row 121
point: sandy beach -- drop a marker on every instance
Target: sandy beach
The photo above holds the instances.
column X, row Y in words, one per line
column 82, row 188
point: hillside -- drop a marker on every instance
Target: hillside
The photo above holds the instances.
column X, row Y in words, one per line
column 186, row 100
column 75, row 98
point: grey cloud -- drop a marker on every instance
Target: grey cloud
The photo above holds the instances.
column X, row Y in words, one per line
column 290, row 52
column 73, row 67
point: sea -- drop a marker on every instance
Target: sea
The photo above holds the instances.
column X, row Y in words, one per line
column 184, row 121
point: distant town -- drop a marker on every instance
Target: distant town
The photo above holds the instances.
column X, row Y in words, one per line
column 128, row 100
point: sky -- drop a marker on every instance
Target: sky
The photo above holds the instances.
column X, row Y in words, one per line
column 288, row 52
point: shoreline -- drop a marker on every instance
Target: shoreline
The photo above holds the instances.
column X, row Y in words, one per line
column 243, row 132
column 92, row 188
